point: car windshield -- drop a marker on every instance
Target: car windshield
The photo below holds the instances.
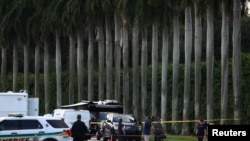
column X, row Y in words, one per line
column 125, row 118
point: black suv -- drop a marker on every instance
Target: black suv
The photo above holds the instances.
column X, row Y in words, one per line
column 133, row 129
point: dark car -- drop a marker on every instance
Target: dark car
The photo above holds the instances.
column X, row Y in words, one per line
column 131, row 126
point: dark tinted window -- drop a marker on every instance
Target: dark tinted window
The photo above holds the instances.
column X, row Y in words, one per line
column 9, row 125
column 20, row 125
column 30, row 124
column 57, row 123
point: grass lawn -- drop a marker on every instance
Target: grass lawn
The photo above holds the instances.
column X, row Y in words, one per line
column 177, row 138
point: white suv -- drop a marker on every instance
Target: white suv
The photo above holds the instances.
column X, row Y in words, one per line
column 34, row 128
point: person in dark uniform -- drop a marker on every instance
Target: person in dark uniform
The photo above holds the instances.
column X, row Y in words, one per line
column 78, row 130
column 158, row 129
column 201, row 130
column 121, row 131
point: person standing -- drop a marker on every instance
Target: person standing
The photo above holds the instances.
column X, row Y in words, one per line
column 78, row 130
column 201, row 130
column 121, row 131
column 158, row 129
column 147, row 128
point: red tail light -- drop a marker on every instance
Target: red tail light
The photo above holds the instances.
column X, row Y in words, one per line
column 67, row 131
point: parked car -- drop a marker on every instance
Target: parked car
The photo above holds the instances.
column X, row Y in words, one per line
column 133, row 129
column 35, row 128
column 69, row 116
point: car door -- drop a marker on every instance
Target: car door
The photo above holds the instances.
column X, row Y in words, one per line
column 24, row 128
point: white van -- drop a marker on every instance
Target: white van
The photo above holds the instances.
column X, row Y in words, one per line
column 70, row 116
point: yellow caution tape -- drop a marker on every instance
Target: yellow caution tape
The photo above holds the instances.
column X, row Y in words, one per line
column 180, row 121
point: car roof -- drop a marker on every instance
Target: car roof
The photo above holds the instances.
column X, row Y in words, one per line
column 29, row 117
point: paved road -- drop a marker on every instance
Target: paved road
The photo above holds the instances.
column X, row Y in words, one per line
column 94, row 139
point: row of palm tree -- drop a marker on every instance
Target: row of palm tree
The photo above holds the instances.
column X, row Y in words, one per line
column 105, row 21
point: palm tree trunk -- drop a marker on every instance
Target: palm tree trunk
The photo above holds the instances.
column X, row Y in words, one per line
column 3, row 70
column 125, row 68
column 237, row 61
column 210, row 59
column 26, row 66
column 109, row 57
column 135, row 50
column 164, row 76
column 90, row 63
column 46, row 75
column 80, row 63
column 58, row 71
column 100, row 39
column 71, row 69
column 176, row 54
column 187, row 81
column 197, row 52
column 144, row 68
column 154, row 66
column 15, row 66
column 117, row 56
column 224, row 61
column 37, row 70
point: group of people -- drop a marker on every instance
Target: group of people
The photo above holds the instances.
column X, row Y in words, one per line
column 79, row 129
column 153, row 124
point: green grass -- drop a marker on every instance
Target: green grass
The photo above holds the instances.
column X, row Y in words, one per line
column 177, row 138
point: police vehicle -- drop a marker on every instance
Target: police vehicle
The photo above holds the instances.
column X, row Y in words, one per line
column 33, row 128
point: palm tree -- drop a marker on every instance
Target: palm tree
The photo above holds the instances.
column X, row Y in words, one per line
column 210, row 58
column 224, row 58
column 237, row 60
column 143, row 23
column 154, row 65
column 135, row 55
column 3, row 69
column 15, row 66
column 54, row 19
column 144, row 66
column 101, row 56
column 125, row 65
column 96, row 8
column 176, row 54
column 45, row 24
column 187, row 81
column 37, row 72
column 46, row 73
column 117, row 56
column 3, row 53
column 165, row 54
column 197, row 53
column 9, row 30
column 108, row 6
column 90, row 63
column 35, row 24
